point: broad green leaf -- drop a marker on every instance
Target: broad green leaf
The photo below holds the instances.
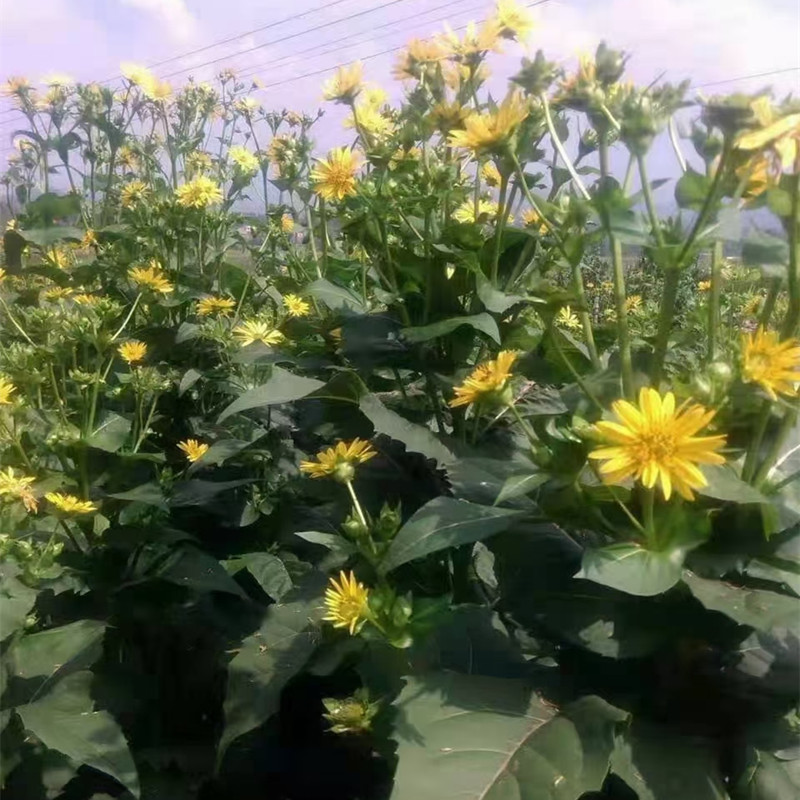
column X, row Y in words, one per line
column 220, row 452
column 444, row 522
column 268, row 570
column 66, row 720
column 761, row 249
column 195, row 569
column 16, row 599
column 462, row 736
column 757, row 608
column 110, row 434
column 335, row 297
column 282, row 387
column 186, row 332
column 660, row 765
column 46, row 237
column 334, row 542
column 189, row 379
column 415, row 437
column 725, row 484
column 480, row 322
column 691, row 190
column 493, row 299
column 519, row 485
column 633, row 569
column 197, row 492
column 150, row 494
column 266, row 660
column 768, row 778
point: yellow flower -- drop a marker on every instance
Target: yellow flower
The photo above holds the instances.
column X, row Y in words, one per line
column 340, row 461
column 371, row 120
column 449, row 116
column 137, row 75
column 247, row 106
column 492, row 131
column 57, row 79
column 16, row 85
column 57, row 293
column 151, row 277
column 18, row 487
column 193, row 449
column 655, row 443
column 69, row 504
column 199, row 193
column 532, row 219
column 704, row 286
column 85, row 299
column 157, row 90
column 567, row 318
column 346, row 603
column 287, row 223
column 335, row 177
column 133, row 193
column 245, row 161
column 6, row 390
column 373, row 96
column 59, row 258
column 257, row 331
column 418, row 55
column 215, row 305
column 89, row 239
column 772, row 363
column 345, row 85
column 475, row 43
column 487, row 211
column 127, row 157
column 633, row 303
column 198, row 162
column 296, row 306
column 491, row 174
column 514, row 21
column 133, row 351
column 2, row 274
column 487, row 381
column 753, row 305
column 778, row 135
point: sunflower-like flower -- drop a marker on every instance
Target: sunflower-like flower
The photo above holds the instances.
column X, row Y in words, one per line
column 256, row 330
column 200, row 192
column 513, row 20
column 89, row 239
column 215, row 305
column 334, row 178
column 476, row 42
column 133, row 193
column 136, row 74
column 85, row 299
column 57, row 293
column 771, row 363
column 6, row 390
column 448, row 117
column 132, row 352
column 17, row 487
column 532, row 219
column 416, row 58
column 287, row 223
column 488, row 381
column 193, row 449
column 491, row 132
column 339, row 462
column 346, row 602
column 296, row 306
column 703, row 286
column 69, row 504
column 490, row 174
column 487, row 211
column 371, row 120
column 776, row 135
column 245, row 161
column 656, row 443
column 151, row 277
column 345, row 85
column 633, row 303
column 567, row 318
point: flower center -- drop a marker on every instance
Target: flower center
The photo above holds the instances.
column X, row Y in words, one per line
column 339, row 177
column 656, row 446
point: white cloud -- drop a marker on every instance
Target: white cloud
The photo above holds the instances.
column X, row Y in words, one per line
column 179, row 23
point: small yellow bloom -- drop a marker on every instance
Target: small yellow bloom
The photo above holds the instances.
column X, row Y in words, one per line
column 193, row 449
column 704, row 286
column 89, row 239
column 487, row 211
column 753, row 305
column 85, row 299
column 60, row 258
column 370, row 120
column 334, row 178
column 491, row 131
column 773, row 364
column 57, row 293
column 780, row 136
column 69, row 504
column 346, row 603
column 655, row 443
column 136, row 74
column 151, row 277
column 296, row 306
column 17, row 487
column 247, row 106
column 257, row 331
column 157, row 90
column 633, row 303
column 513, row 20
column 532, row 219
column 16, row 85
column 287, row 223
column 245, row 161
column 475, row 43
column 215, row 305
column 418, row 55
column 345, row 85
column 56, row 79
column 487, row 381
column 198, row 163
column 567, row 318
column 340, row 461
column 133, row 351
column 2, row 274
column 133, row 193
column 490, row 174
column 199, row 193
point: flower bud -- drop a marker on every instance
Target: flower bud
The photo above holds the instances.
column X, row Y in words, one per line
column 388, row 522
column 720, row 372
column 609, row 64
column 344, row 472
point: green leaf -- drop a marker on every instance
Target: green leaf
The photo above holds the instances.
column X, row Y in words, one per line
column 691, row 190
column 520, row 485
column 725, row 484
column 632, row 568
column 16, row 599
column 195, row 569
column 197, row 492
column 416, row 438
column 332, row 541
column 335, row 297
column 150, row 494
column 444, row 522
column 189, row 379
column 282, row 387
column 111, row 433
column 480, row 322
column 493, row 299
column 757, row 608
column 66, row 720
column 768, row 778
column 268, row 570
column 761, row 249
column 659, row 765
column 46, row 237
column 220, row 452
column 269, row 658
column 464, row 736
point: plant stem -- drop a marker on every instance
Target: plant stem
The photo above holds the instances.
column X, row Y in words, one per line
column 356, row 504
column 754, row 449
column 499, row 225
column 713, row 300
column 128, row 318
column 560, row 148
column 532, row 438
column 792, row 320
column 786, row 428
column 578, row 379
column 769, row 303
column 71, row 536
column 648, row 501
column 648, row 199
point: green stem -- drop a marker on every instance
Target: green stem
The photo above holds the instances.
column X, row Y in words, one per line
column 792, row 320
column 578, row 379
column 532, row 438
column 128, row 318
column 648, row 200
column 785, row 430
column 560, row 148
column 713, row 300
column 769, row 303
column 324, row 223
column 754, row 449
column 648, row 502
column 499, row 225
column 356, row 504
column 667, row 312
column 71, row 536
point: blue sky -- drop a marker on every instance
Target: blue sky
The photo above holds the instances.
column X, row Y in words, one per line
column 707, row 40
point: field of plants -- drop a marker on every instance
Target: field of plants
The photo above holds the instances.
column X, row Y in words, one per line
column 441, row 465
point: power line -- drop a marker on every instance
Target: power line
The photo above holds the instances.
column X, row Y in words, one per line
column 747, row 77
